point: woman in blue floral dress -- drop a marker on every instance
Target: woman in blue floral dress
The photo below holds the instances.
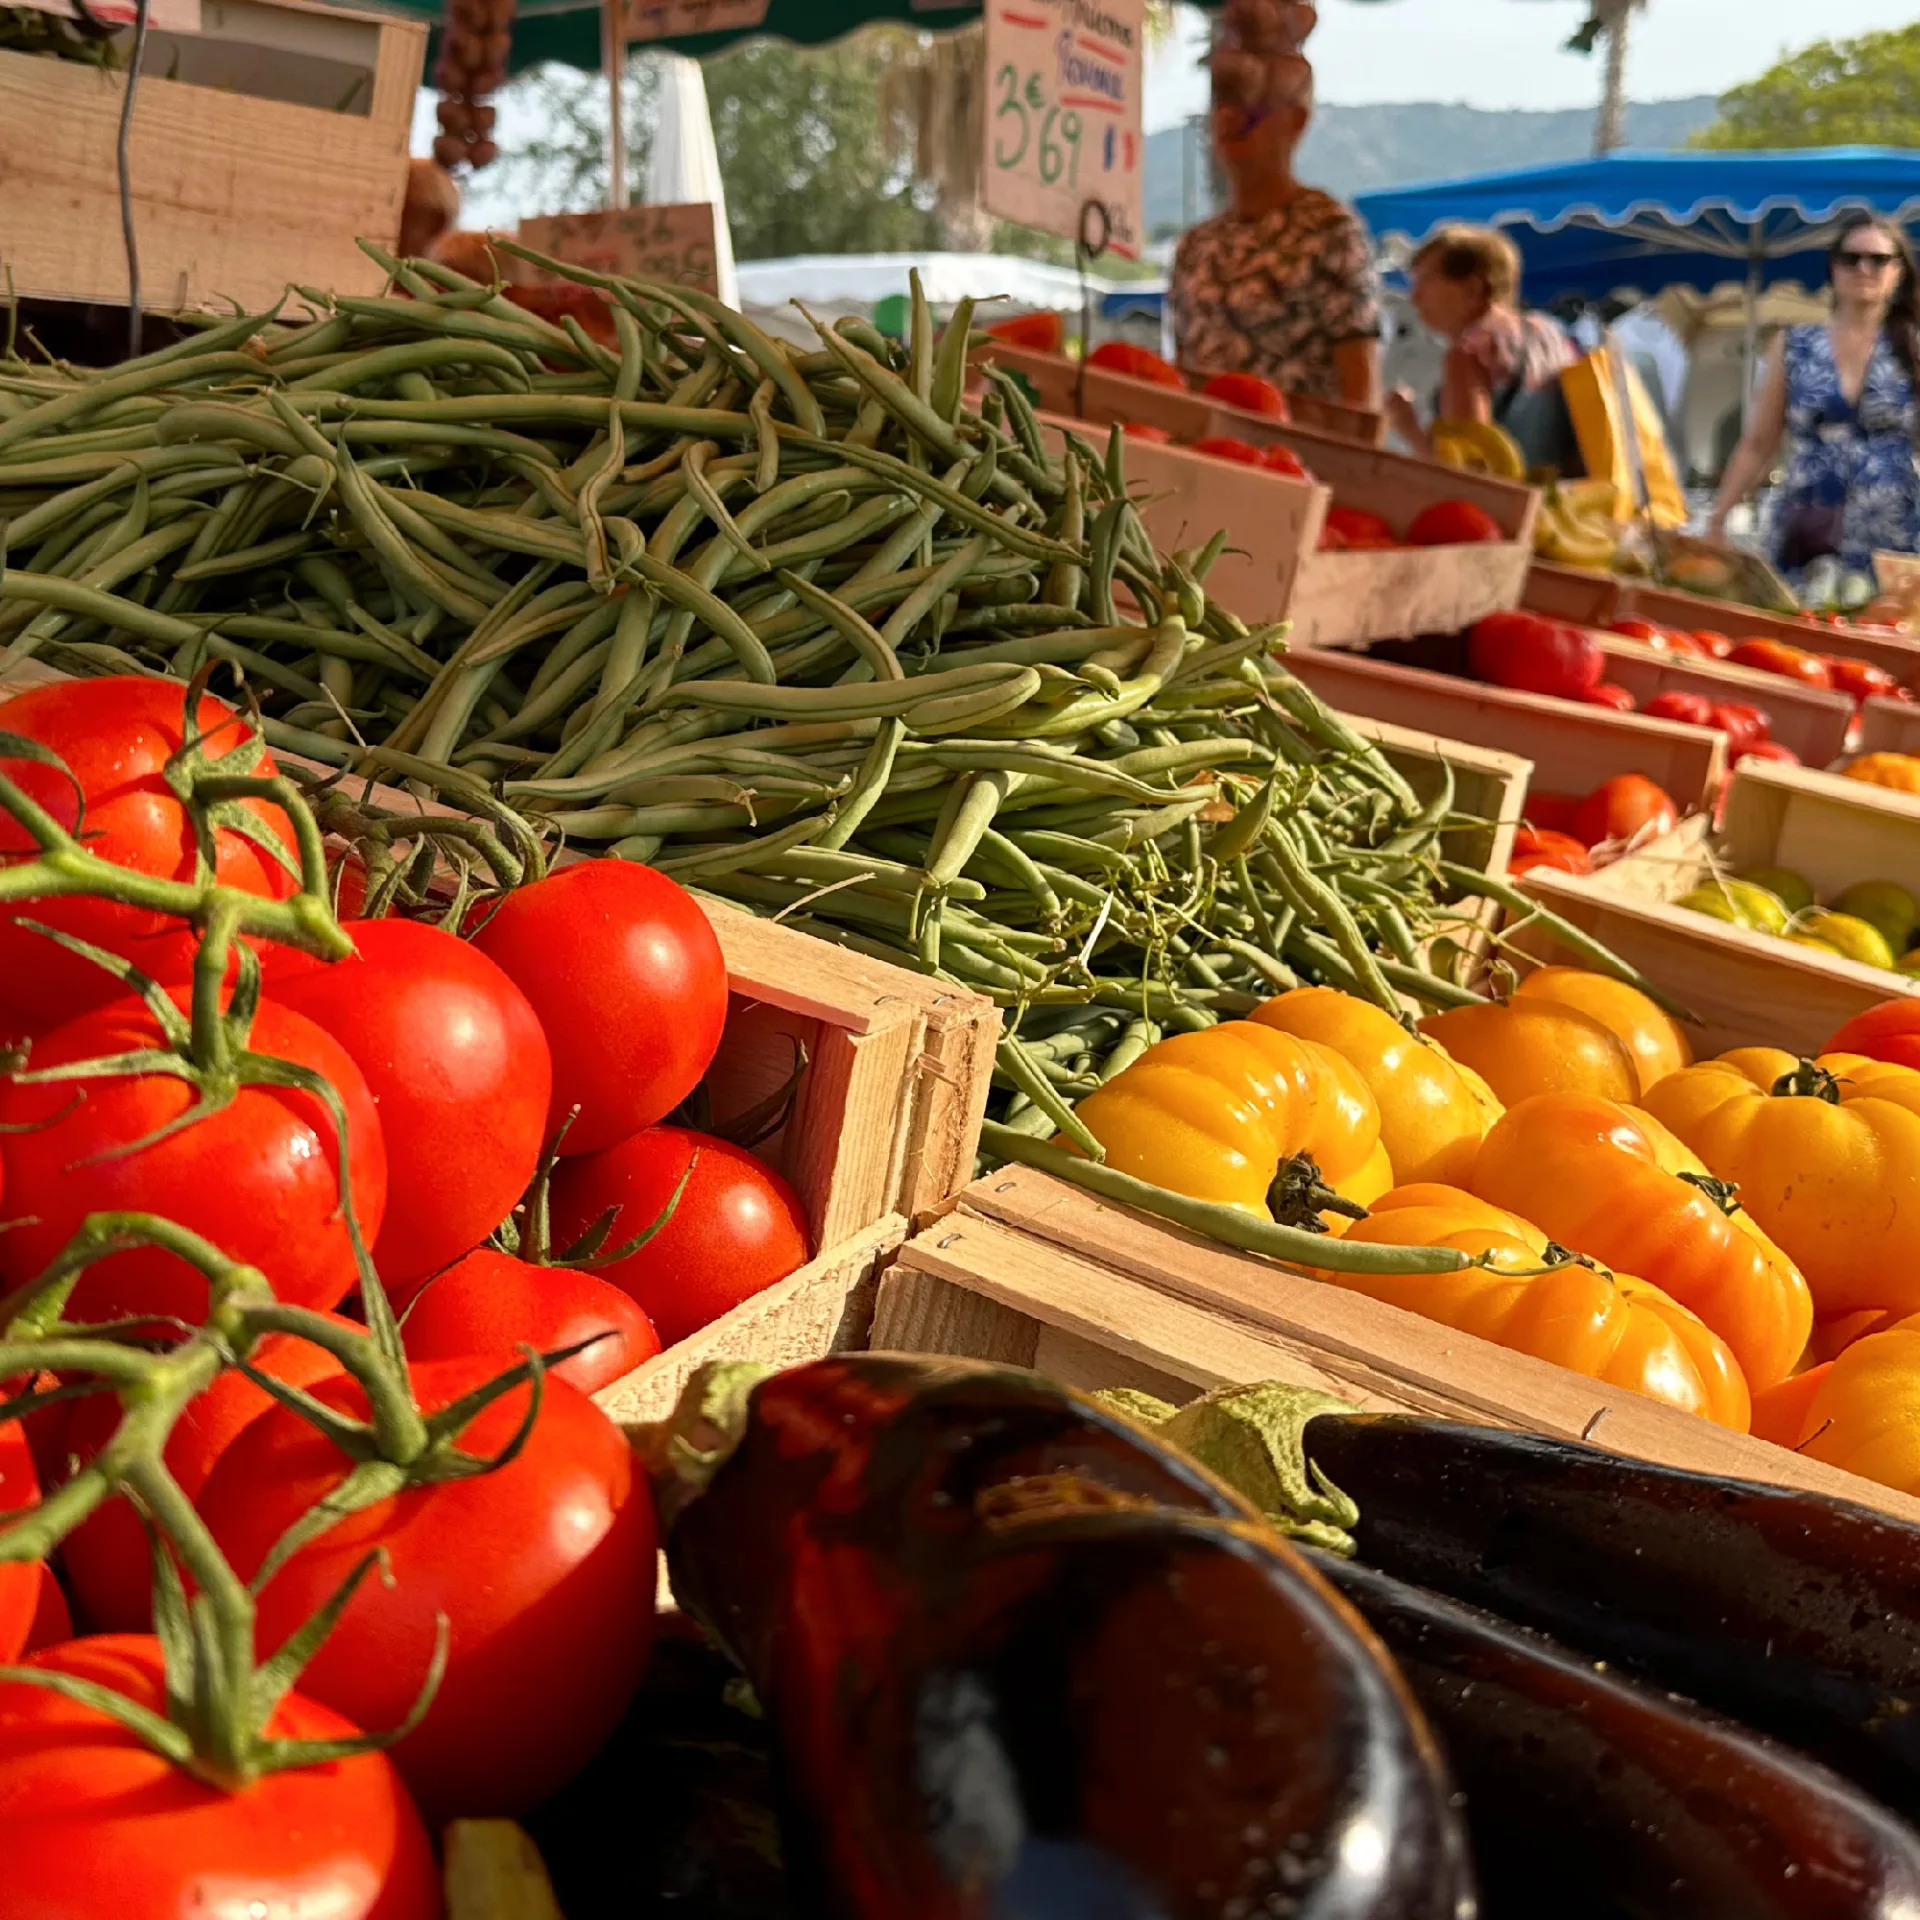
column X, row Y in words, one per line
column 1847, row 392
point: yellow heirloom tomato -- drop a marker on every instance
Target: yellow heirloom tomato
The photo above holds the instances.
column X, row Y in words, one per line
column 1865, row 1414
column 1431, row 1118
column 1826, row 1156
column 1654, row 1042
column 1220, row 1115
column 1531, row 1298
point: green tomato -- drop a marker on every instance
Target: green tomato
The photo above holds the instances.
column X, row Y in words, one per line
column 1739, row 903
column 1884, row 904
column 1854, row 937
column 1784, row 884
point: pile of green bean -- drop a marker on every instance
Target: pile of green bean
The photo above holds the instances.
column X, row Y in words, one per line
column 812, row 631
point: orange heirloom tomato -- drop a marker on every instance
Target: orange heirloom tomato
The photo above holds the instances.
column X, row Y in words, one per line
column 1865, row 1414
column 1536, row 1045
column 1780, row 1414
column 1826, row 1155
column 1610, row 1182
column 1832, row 1337
column 1654, row 1042
column 1219, row 1115
column 1611, row 1327
column 1431, row 1118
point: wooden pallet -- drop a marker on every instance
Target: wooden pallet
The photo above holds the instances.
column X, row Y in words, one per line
column 1031, row 1272
column 262, row 147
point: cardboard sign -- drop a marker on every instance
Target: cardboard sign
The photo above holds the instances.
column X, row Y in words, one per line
column 672, row 244
column 168, row 16
column 670, row 19
column 1064, row 81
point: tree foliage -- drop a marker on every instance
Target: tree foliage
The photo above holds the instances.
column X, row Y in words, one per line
column 1836, row 93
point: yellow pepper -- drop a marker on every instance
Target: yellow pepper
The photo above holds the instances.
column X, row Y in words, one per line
column 1224, row 1114
column 1900, row 771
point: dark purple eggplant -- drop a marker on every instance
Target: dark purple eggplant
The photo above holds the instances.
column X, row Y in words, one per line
column 1591, row 1797
column 1022, row 1663
column 1797, row 1614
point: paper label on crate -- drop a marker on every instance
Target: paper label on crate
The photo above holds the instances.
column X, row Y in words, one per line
column 170, row 16
column 1063, row 127
column 673, row 19
column 673, row 244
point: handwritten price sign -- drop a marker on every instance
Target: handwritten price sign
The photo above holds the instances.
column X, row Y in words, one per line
column 1063, row 114
column 672, row 244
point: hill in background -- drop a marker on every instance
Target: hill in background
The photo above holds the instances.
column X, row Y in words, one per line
column 1353, row 149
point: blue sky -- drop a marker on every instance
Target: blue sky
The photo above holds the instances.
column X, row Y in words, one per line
column 1438, row 50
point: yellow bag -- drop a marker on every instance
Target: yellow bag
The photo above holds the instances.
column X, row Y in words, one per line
column 1616, row 438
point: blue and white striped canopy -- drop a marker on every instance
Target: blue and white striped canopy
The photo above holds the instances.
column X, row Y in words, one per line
column 1640, row 222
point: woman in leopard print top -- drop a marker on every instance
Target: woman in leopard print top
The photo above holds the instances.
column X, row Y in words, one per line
column 1282, row 282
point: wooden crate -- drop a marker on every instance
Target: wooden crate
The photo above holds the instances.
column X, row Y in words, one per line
column 1489, row 785
column 1573, row 593
column 1030, row 1272
column 1746, row 988
column 1813, row 721
column 1888, row 726
column 1272, row 521
column 1898, row 653
column 262, row 147
column 1572, row 747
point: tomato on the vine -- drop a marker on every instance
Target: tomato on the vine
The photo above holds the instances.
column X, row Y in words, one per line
column 19, row 1579
column 455, row 1056
column 258, row 1176
column 737, row 1229
column 626, row 975
column 94, row 1822
column 543, row 1569
column 107, row 1557
column 116, row 736
column 491, row 1303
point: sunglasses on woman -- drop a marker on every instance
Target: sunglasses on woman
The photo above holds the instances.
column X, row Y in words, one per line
column 1865, row 262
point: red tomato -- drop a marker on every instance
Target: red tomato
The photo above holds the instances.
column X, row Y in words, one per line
column 1717, row 645
column 1536, row 847
column 341, row 1839
column 1767, row 750
column 259, row 1177
column 739, row 1227
column 453, row 1052
column 107, row 1557
column 1860, row 678
column 1607, row 694
column 1154, row 436
column 1221, row 446
column 116, row 736
column 1744, row 725
column 19, row 1579
column 1037, row 332
column 1247, row 391
column 557, row 303
column 1553, row 812
column 1356, row 528
column 1694, row 709
column 1647, row 632
column 543, row 1568
column 1890, row 1031
column 1281, row 459
column 1121, row 356
column 1688, row 644
column 1453, row 523
column 1524, row 651
column 1622, row 807
column 490, row 1303
column 627, row 977
column 1775, row 656
column 52, row 1620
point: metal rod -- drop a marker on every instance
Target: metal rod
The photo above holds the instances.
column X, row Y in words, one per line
column 613, row 59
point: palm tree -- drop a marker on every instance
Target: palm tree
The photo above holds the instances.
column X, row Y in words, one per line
column 1608, row 20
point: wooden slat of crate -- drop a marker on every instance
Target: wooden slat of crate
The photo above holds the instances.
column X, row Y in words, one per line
column 1573, row 747
column 822, row 1309
column 1827, row 828
column 233, row 195
column 1033, row 1272
column 1889, row 726
column 1572, row 593
column 1272, row 521
column 1813, row 721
